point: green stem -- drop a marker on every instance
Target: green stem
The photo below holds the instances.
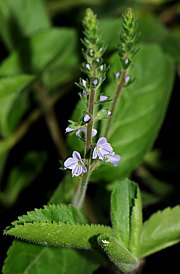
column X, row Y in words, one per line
column 115, row 101
column 81, row 192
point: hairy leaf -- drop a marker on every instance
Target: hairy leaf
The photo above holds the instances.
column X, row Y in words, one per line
column 58, row 234
column 140, row 111
column 160, row 231
column 52, row 212
column 118, row 254
column 32, row 259
column 126, row 214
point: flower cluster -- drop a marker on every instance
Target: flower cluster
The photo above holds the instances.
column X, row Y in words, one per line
column 103, row 151
column 94, row 75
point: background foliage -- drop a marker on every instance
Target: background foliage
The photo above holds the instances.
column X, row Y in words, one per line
column 40, row 59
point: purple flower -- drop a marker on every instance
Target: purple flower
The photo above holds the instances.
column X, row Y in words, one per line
column 95, row 82
column 102, row 148
column 81, row 133
column 127, row 79
column 84, row 83
column 76, row 164
column 86, row 118
column 69, row 129
column 103, row 98
column 113, row 158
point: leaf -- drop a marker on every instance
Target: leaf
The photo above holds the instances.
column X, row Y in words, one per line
column 39, row 52
column 126, row 214
column 58, row 234
column 15, row 25
column 10, row 89
column 21, row 176
column 118, row 254
column 140, row 112
column 51, row 212
column 153, row 32
column 32, row 259
column 160, row 231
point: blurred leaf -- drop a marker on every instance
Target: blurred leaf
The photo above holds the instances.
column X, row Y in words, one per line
column 159, row 187
column 10, row 89
column 19, row 19
column 149, row 198
column 21, row 176
column 141, row 110
column 153, row 32
column 126, row 214
column 110, row 28
column 3, row 157
column 160, row 231
column 64, row 192
column 58, row 234
column 32, row 259
column 37, row 53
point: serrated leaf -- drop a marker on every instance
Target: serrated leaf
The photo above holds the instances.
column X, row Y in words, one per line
column 52, row 212
column 160, row 231
column 126, row 214
column 15, row 25
column 118, row 254
column 58, row 234
column 39, row 52
column 21, row 176
column 26, row 258
column 140, row 112
column 10, row 89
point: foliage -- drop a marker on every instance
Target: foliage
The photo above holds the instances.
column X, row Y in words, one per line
column 116, row 134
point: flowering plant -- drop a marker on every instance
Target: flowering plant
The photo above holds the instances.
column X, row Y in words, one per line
column 102, row 127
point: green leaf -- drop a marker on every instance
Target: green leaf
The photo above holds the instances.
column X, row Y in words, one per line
column 58, row 234
column 39, row 53
column 118, row 254
column 32, row 259
column 10, row 90
column 126, row 214
column 153, row 32
column 52, row 212
column 160, row 231
column 21, row 176
column 141, row 110
column 15, row 25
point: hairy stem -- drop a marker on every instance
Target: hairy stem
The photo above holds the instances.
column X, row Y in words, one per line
column 81, row 192
column 51, row 121
column 115, row 101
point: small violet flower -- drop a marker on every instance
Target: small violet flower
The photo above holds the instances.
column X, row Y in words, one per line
column 127, row 79
column 113, row 159
column 81, row 133
column 76, row 164
column 69, row 129
column 102, row 148
column 86, row 118
column 103, row 98
column 84, row 83
column 95, row 82
column 117, row 74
